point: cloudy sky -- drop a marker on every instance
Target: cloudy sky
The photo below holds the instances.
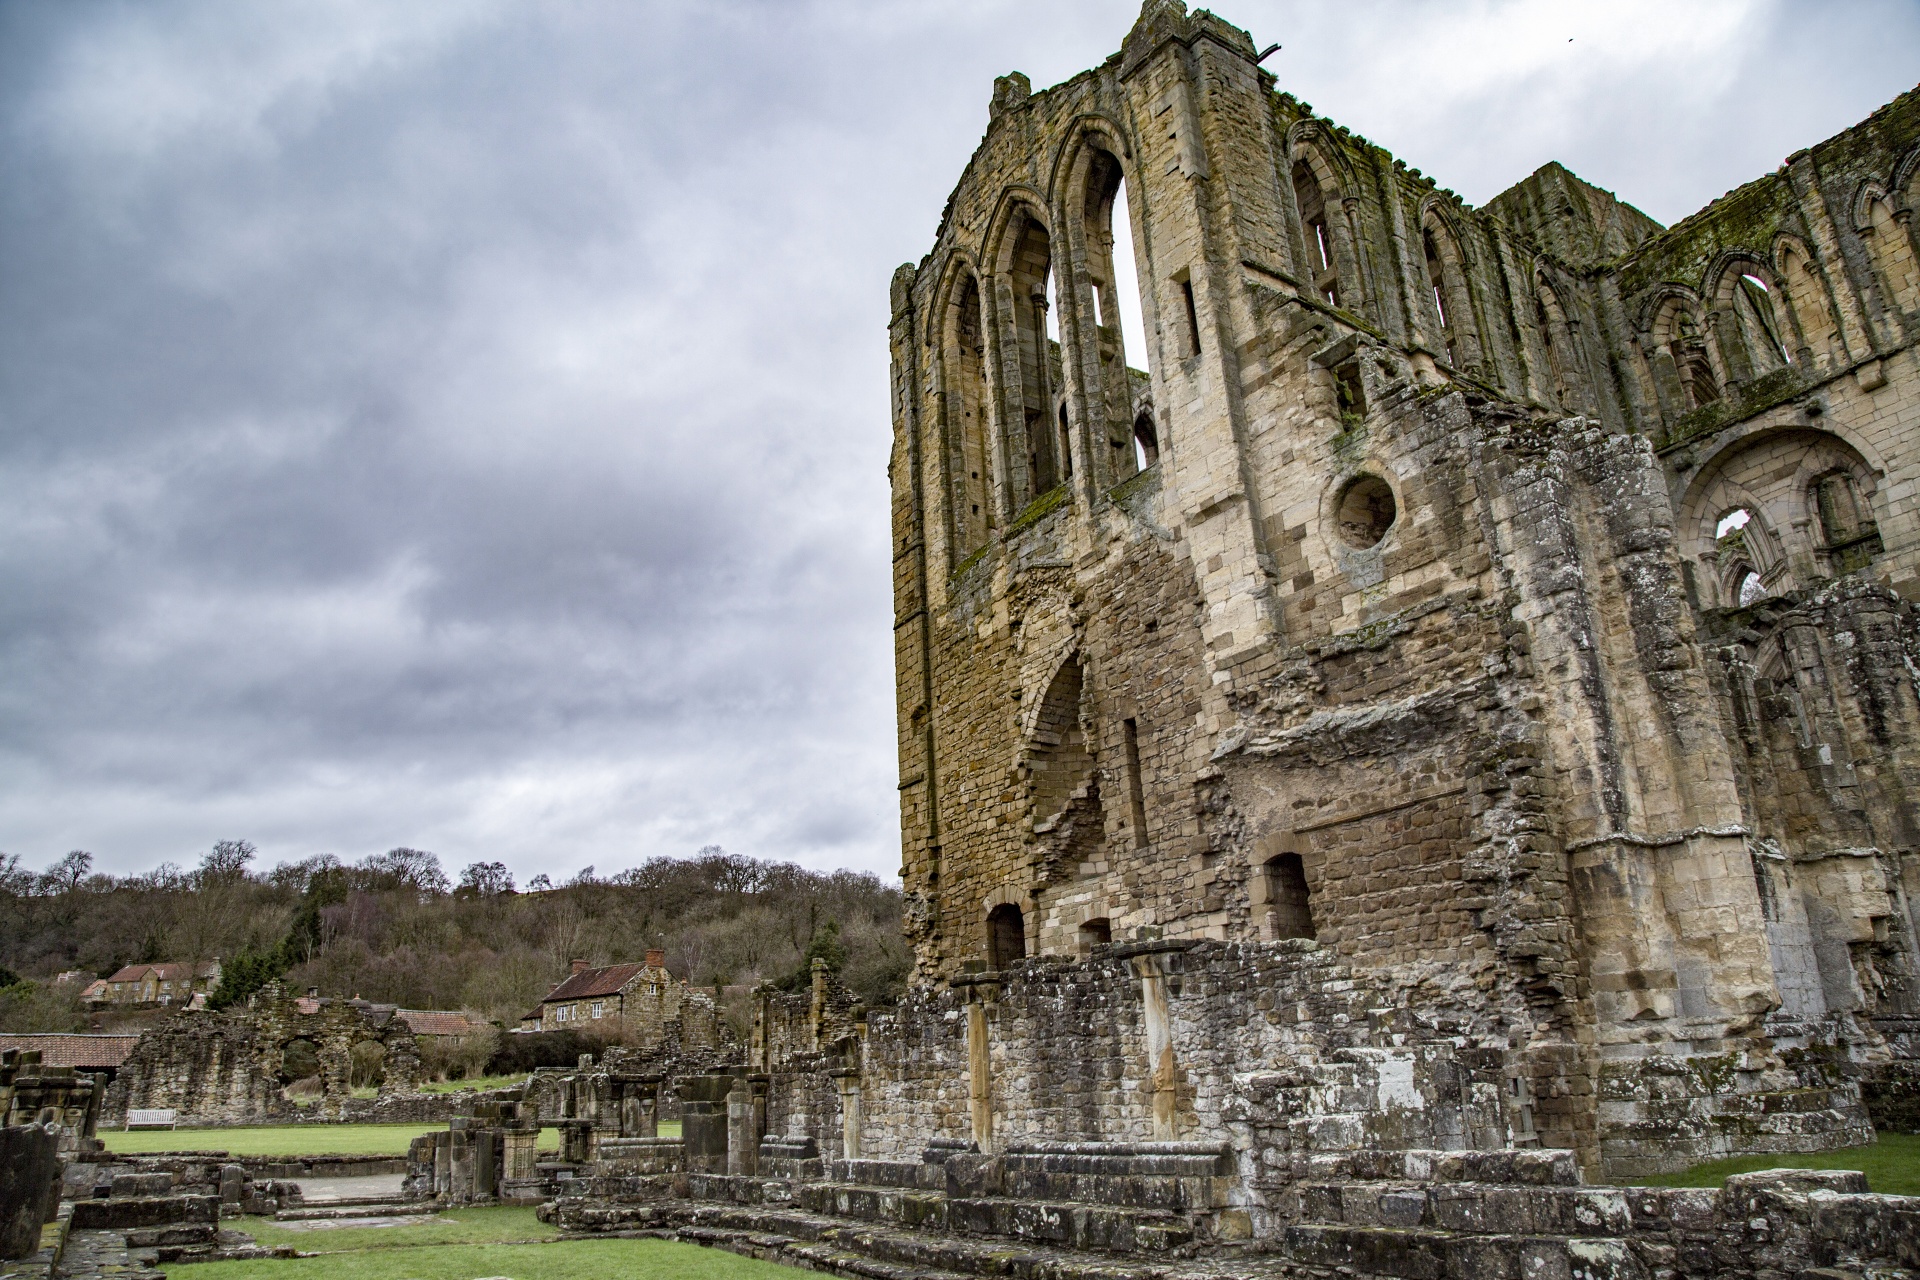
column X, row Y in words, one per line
column 463, row 425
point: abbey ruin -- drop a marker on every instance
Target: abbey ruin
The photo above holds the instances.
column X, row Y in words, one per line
column 1493, row 703
column 1441, row 738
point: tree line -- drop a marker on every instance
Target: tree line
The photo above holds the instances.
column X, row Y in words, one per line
column 395, row 928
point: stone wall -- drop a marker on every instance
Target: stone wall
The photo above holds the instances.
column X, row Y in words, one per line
column 228, row 1068
column 1513, row 603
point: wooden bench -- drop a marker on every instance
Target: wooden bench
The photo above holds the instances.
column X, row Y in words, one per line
column 152, row 1118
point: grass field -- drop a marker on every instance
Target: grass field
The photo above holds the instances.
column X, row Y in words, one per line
column 1892, row 1166
column 569, row 1260
column 286, row 1139
column 478, row 1082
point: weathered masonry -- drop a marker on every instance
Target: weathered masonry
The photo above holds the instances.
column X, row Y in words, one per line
column 1462, row 696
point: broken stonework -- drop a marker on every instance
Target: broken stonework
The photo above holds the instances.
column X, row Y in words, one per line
column 230, row 1067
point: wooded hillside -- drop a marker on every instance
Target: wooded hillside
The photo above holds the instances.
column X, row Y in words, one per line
column 394, row 928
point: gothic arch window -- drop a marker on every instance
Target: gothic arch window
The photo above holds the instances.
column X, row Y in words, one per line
column 1322, row 261
column 1447, row 280
column 1006, row 936
column 969, row 456
column 1747, row 320
column 1891, row 248
column 1737, row 536
column 1809, row 305
column 1107, row 236
column 1562, row 358
column 1682, row 365
column 1028, row 437
column 1788, row 507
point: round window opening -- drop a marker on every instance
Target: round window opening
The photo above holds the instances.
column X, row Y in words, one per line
column 1365, row 512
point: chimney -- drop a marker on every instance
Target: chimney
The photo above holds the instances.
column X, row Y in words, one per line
column 579, row 966
column 657, row 958
column 313, row 993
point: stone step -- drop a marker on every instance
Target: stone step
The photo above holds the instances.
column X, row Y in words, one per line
column 1389, row 1253
column 1468, row 1207
column 821, row 1243
column 1070, row 1224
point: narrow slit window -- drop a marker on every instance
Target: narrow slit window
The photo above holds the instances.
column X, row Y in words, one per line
column 1136, row 787
column 1193, row 318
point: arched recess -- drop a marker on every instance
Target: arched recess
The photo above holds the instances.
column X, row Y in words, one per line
column 1096, row 183
column 1684, row 373
column 1058, row 758
column 1890, row 247
column 1326, row 252
column 1451, row 298
column 1809, row 305
column 1022, row 254
column 1006, row 936
column 1791, row 507
column 1565, row 368
column 969, row 415
column 1747, row 321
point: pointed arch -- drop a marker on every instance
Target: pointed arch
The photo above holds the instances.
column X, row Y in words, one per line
column 1091, row 186
column 1890, row 249
column 1746, row 315
column 967, row 401
column 1809, row 305
column 1020, row 252
column 1449, row 296
column 1326, row 251
column 1808, row 502
column 1058, row 756
column 1557, row 329
column 1684, row 372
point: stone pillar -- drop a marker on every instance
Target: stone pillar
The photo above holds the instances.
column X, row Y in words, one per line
column 459, row 1161
column 29, row 1181
column 979, row 1073
column 486, row 1169
column 1158, row 1023
column 848, row 1082
column 704, row 1120
column 743, row 1143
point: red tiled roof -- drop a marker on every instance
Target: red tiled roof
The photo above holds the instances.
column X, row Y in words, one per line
column 439, row 1022
column 166, row 971
column 62, row 1050
column 594, row 982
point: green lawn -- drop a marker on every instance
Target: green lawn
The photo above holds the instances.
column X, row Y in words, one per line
column 286, row 1139
column 1892, row 1166
column 568, row 1260
column 478, row 1082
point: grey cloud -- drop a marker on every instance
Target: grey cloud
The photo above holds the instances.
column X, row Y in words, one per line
column 464, row 426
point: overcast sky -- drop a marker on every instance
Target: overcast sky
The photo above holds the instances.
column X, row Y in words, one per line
column 464, row 425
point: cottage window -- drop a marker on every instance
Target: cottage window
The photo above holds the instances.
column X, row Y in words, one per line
column 653, row 988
